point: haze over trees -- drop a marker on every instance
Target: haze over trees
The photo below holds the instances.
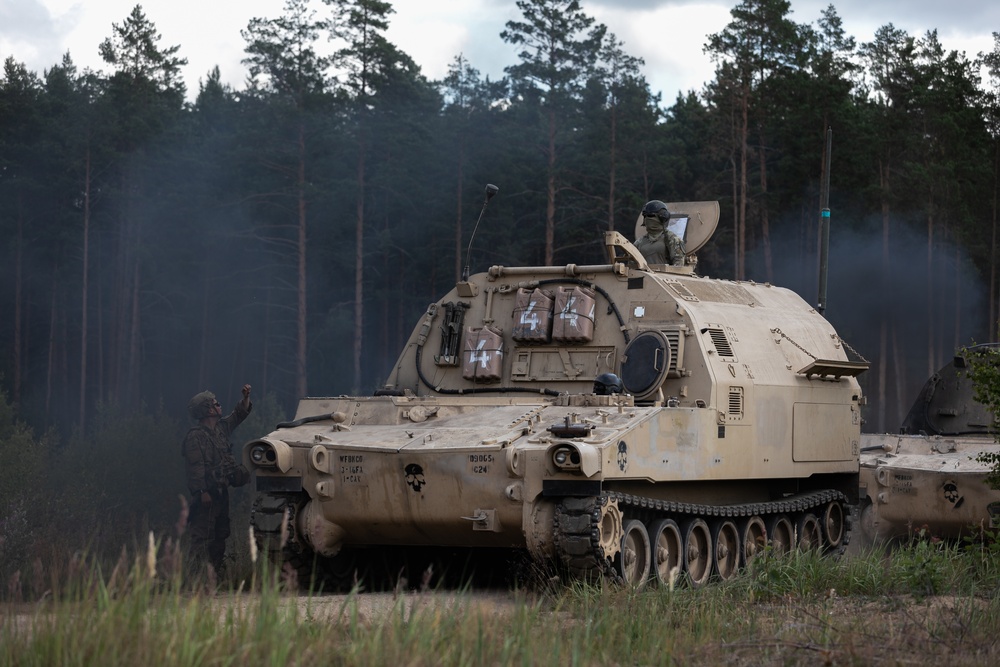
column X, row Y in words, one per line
column 290, row 233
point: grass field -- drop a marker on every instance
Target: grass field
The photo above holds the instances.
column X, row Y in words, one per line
column 924, row 604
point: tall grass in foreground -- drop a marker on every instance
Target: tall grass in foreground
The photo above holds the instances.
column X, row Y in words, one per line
column 922, row 604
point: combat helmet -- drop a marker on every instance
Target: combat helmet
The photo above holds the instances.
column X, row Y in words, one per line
column 200, row 405
column 608, row 383
column 656, row 209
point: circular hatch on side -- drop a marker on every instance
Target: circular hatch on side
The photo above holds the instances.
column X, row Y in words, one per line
column 645, row 364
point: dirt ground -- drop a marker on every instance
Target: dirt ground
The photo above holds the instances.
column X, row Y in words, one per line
column 372, row 608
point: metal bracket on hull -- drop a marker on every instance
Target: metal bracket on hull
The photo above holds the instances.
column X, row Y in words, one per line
column 834, row 368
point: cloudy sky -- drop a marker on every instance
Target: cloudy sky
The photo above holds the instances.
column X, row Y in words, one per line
column 668, row 34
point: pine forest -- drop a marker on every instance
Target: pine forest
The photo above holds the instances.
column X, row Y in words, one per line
column 156, row 242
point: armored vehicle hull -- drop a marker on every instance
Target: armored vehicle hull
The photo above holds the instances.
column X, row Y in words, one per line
column 928, row 479
column 739, row 425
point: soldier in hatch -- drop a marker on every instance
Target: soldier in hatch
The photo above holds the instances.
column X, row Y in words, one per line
column 660, row 245
column 606, row 384
column 211, row 470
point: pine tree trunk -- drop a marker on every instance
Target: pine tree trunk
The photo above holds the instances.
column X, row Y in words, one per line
column 102, row 368
column 883, row 360
column 736, row 217
column 121, row 286
column 765, row 225
column 385, row 339
column 62, row 353
column 900, row 382
column 550, row 193
column 742, row 218
column 402, row 331
column 265, row 358
column 134, row 366
column 85, row 290
column 359, row 266
column 931, row 301
column 18, row 298
column 992, row 318
column 206, row 297
column 301, row 384
column 957, row 340
column 50, row 365
column 458, row 207
column 131, row 397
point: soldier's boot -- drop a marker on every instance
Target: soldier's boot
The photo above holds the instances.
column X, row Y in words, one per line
column 217, row 558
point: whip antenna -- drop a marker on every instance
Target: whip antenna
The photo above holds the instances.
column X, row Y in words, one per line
column 490, row 191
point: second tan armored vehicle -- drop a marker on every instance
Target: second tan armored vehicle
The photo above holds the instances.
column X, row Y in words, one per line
column 927, row 479
column 737, row 425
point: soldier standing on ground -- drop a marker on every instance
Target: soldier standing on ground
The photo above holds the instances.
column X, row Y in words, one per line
column 211, row 470
column 660, row 245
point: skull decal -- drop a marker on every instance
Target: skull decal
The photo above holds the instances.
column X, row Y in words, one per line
column 952, row 495
column 622, row 455
column 415, row 477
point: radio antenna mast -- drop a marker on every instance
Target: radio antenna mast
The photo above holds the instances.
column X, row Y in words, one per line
column 490, row 191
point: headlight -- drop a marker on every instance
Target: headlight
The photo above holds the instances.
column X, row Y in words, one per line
column 263, row 455
column 269, row 453
column 566, row 458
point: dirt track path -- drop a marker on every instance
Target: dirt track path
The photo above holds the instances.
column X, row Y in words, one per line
column 366, row 608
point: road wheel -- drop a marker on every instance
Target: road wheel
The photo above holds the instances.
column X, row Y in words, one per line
column 834, row 526
column 809, row 533
column 726, row 539
column 782, row 534
column 666, row 552
column 632, row 561
column 697, row 552
column 753, row 537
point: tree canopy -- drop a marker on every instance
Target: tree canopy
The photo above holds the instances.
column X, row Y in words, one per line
column 290, row 233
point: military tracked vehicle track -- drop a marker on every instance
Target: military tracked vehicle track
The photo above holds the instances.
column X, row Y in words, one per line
column 662, row 539
column 267, row 515
column 675, row 537
column 297, row 560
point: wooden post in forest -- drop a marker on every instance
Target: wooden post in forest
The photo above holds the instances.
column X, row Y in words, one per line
column 824, row 225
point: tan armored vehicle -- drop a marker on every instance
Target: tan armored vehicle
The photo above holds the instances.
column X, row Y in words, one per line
column 927, row 478
column 738, row 424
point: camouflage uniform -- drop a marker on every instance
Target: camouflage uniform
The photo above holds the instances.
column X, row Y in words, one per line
column 660, row 245
column 663, row 248
column 211, row 467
